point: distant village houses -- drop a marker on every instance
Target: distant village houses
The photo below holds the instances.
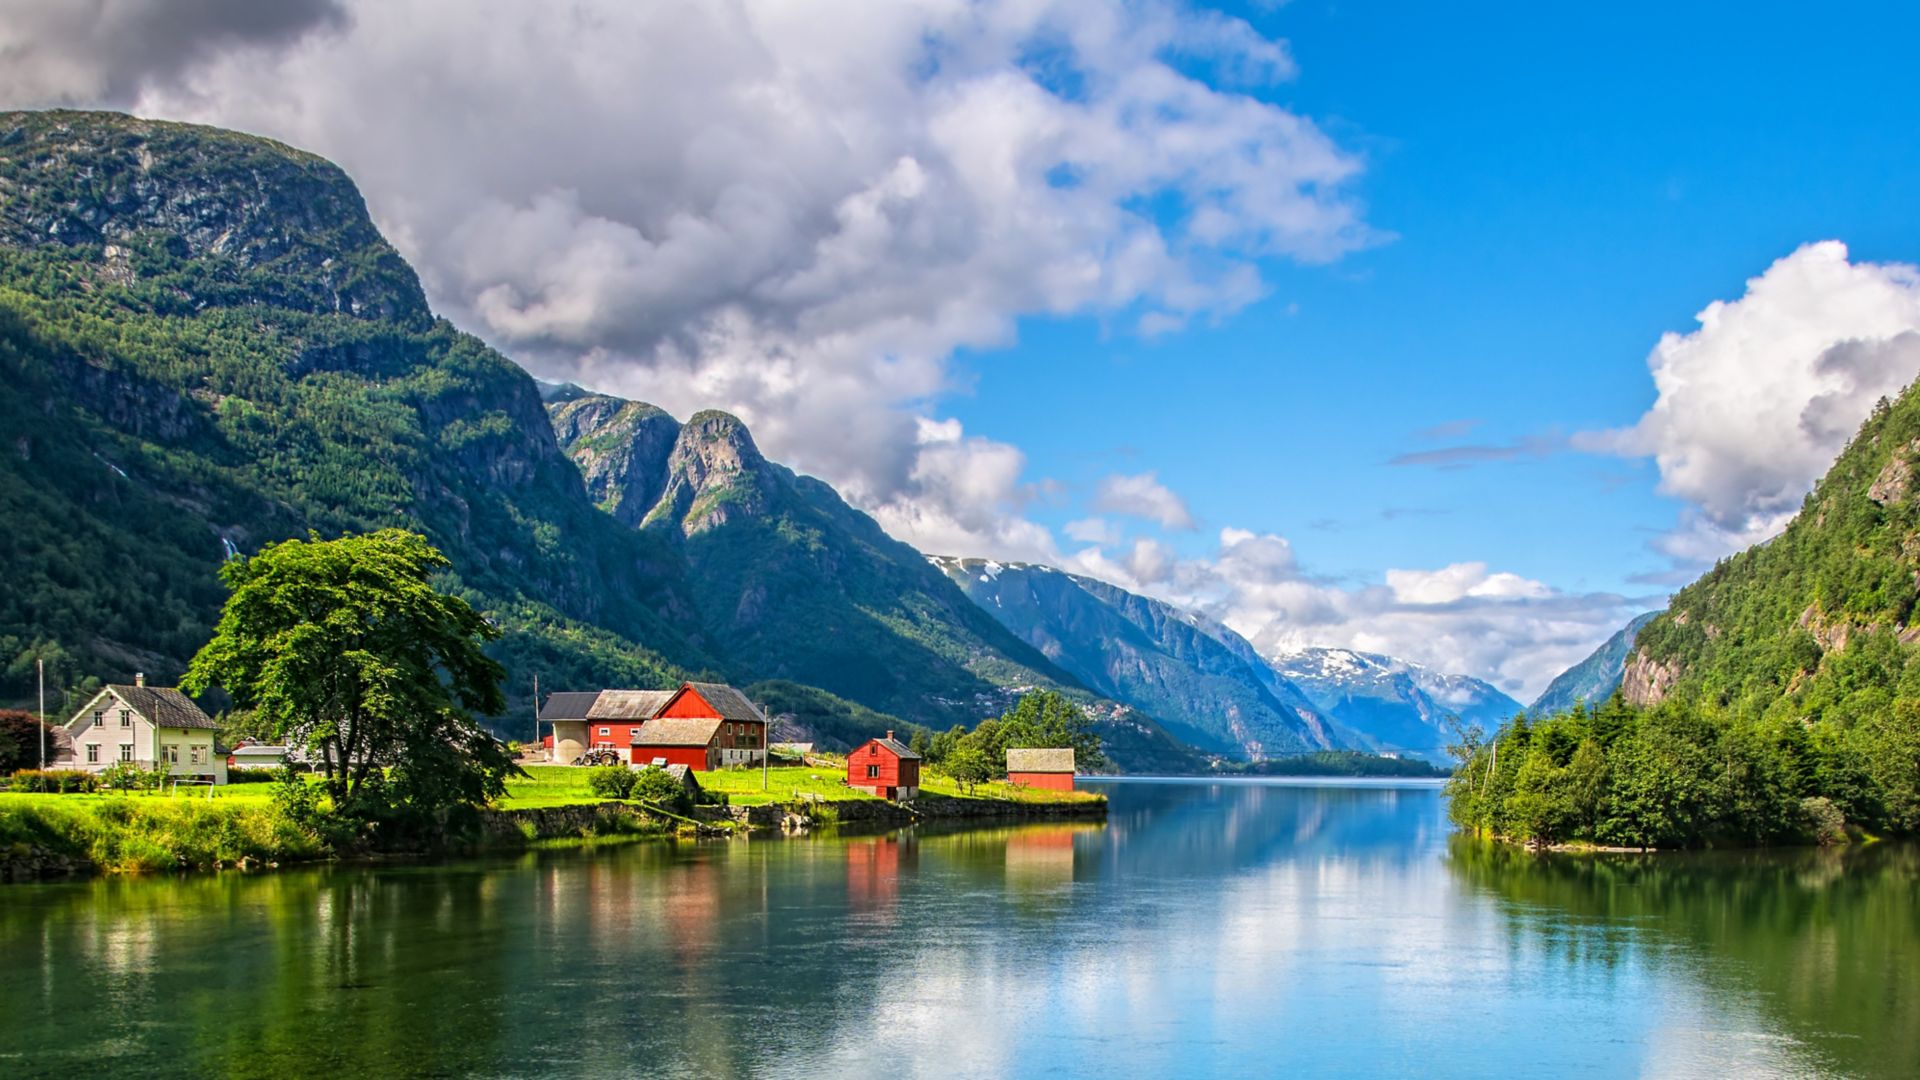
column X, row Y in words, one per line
column 703, row 726
column 144, row 725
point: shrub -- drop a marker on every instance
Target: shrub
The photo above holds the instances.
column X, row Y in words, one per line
column 1823, row 821
column 20, row 739
column 611, row 781
column 658, row 787
column 257, row 775
column 123, row 776
column 55, row 781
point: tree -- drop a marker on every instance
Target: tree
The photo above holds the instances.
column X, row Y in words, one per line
column 1048, row 719
column 20, row 736
column 346, row 648
column 969, row 766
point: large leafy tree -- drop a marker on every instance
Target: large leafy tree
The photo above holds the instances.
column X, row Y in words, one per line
column 346, row 648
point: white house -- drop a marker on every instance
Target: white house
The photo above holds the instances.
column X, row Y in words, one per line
column 145, row 724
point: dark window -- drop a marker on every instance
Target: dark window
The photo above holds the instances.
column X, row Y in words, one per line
column 873, row 772
column 93, row 752
column 126, row 717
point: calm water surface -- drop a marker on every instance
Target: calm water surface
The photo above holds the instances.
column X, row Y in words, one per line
column 1208, row 929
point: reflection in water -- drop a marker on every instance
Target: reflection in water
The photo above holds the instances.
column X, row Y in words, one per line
column 1205, row 929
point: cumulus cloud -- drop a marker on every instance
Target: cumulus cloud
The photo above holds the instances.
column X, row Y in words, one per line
column 1143, row 496
column 1754, row 405
column 797, row 212
column 66, row 52
column 1515, row 632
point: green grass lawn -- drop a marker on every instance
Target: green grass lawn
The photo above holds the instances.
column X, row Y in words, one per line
column 227, row 794
column 564, row 785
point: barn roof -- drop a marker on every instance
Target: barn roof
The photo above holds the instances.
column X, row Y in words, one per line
column 897, row 748
column 629, row 704
column 731, row 704
column 676, row 731
column 164, row 706
column 569, row 705
column 1037, row 759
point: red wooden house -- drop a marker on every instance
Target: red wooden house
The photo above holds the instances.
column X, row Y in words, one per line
column 702, row 726
column 1050, row 769
column 885, row 767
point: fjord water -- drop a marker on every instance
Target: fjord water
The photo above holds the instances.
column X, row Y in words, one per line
column 1207, row 929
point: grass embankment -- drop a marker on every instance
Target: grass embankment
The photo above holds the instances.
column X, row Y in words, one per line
column 565, row 785
column 124, row 833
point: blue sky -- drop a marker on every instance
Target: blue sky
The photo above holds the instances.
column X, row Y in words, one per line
column 1563, row 185
column 1403, row 259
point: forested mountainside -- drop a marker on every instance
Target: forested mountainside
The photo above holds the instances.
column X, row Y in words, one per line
column 1392, row 704
column 1595, row 678
column 1775, row 700
column 1200, row 679
column 207, row 346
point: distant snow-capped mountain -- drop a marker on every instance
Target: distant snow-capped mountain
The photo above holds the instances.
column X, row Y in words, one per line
column 1391, row 704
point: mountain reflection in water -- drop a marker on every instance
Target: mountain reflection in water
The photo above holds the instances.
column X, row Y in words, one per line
column 1207, row 928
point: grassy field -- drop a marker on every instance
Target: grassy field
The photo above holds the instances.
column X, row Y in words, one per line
column 137, row 832
column 562, row 785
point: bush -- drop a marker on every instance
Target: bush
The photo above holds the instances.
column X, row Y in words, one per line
column 658, row 787
column 20, row 739
column 123, row 776
column 1823, row 821
column 611, row 781
column 55, row 781
column 257, row 775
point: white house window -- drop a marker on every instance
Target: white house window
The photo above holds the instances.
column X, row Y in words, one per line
column 198, row 755
column 126, row 717
column 873, row 772
column 93, row 753
column 605, row 731
column 99, row 718
column 126, row 751
column 173, row 755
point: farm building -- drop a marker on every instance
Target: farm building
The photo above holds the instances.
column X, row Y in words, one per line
column 700, row 725
column 144, row 725
column 1050, row 769
column 885, row 767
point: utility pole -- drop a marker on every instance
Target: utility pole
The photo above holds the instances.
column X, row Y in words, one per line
column 766, row 745
column 536, row 714
column 40, row 668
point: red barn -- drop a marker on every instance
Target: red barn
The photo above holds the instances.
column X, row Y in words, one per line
column 885, row 767
column 1051, row 769
column 702, row 726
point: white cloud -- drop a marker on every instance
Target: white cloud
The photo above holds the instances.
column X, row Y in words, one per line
column 1754, row 405
column 1093, row 530
column 1143, row 496
column 795, row 211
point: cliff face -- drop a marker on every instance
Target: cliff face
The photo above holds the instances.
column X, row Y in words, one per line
column 1595, row 678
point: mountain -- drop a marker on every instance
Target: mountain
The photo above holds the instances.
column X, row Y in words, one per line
column 790, row 580
column 1391, row 704
column 1818, row 623
column 206, row 346
column 1594, row 679
column 1202, row 681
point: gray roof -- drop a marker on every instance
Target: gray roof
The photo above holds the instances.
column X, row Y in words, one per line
column 629, row 704
column 164, row 706
column 676, row 731
column 900, row 750
column 731, row 704
column 1036, row 759
column 568, row 705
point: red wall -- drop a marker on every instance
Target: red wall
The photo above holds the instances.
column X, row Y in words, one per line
column 690, row 704
column 620, row 734
column 696, row 758
column 1050, row 781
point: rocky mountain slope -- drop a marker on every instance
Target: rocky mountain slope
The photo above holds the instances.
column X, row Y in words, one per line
column 1392, row 704
column 1200, row 679
column 1818, row 623
column 1595, row 678
column 206, row 346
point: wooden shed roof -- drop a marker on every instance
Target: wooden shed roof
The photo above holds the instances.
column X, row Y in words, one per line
column 1038, row 759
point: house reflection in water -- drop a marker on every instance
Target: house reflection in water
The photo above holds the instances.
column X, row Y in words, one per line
column 873, row 871
column 1040, row 857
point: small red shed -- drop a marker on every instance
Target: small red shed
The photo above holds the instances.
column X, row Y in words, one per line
column 1037, row 767
column 885, row 767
